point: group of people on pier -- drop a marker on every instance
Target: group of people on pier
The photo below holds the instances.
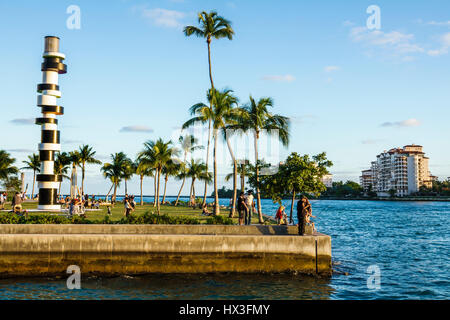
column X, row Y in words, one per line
column 304, row 215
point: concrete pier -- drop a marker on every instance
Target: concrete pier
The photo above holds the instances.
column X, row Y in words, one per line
column 43, row 250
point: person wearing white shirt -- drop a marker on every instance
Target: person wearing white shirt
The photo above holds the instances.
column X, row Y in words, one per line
column 250, row 206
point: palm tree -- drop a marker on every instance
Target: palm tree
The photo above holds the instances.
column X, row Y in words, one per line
column 172, row 168
column 62, row 162
column 220, row 115
column 238, row 169
column 33, row 163
column 255, row 117
column 196, row 170
column 129, row 170
column 157, row 154
column 75, row 160
column 188, row 145
column 182, row 175
column 243, row 169
column 6, row 165
column 143, row 170
column 86, row 156
column 114, row 171
column 211, row 26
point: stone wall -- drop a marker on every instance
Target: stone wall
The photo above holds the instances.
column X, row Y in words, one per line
column 41, row 250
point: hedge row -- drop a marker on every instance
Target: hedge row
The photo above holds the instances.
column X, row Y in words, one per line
column 146, row 218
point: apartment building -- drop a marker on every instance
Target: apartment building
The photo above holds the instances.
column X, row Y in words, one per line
column 328, row 180
column 404, row 170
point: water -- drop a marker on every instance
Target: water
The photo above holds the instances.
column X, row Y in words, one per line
column 407, row 241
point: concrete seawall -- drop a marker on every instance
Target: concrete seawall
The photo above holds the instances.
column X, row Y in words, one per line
column 41, row 250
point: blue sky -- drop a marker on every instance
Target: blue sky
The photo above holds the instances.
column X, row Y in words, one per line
column 350, row 91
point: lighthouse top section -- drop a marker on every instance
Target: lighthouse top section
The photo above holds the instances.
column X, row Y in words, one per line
column 51, row 49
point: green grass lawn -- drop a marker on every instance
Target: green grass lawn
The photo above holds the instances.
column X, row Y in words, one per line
column 117, row 212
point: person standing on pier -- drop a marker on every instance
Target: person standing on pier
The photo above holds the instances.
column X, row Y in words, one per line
column 250, row 204
column 303, row 209
column 242, row 208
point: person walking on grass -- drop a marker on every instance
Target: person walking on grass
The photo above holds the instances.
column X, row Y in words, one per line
column 128, row 207
column 250, row 203
column 2, row 200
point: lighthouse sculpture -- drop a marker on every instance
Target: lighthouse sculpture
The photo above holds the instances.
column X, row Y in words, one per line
column 48, row 181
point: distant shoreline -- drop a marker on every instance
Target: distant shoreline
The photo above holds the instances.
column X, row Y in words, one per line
column 431, row 199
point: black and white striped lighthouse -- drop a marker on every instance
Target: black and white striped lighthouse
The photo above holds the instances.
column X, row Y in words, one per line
column 48, row 181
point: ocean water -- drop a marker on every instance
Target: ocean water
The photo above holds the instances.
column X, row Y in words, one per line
column 404, row 245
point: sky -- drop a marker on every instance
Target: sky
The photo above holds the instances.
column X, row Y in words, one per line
column 351, row 90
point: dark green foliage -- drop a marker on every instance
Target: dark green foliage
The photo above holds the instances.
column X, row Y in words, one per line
column 146, row 218
column 219, row 220
column 345, row 190
column 225, row 193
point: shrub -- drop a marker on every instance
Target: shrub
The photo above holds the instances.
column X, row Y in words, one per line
column 219, row 220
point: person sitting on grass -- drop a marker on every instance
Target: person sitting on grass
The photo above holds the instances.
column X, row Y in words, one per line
column 281, row 215
column 205, row 210
column 16, row 203
column 308, row 220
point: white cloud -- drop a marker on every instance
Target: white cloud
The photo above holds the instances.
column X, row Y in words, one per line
column 348, row 23
column 136, row 129
column 22, row 121
column 445, row 45
column 439, row 23
column 332, row 68
column 393, row 43
column 163, row 17
column 21, row 150
column 279, row 78
column 405, row 123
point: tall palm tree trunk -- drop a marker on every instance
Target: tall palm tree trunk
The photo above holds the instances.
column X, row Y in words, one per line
column 233, row 200
column 115, row 192
column 106, row 198
column 233, row 205
column 242, row 179
column 126, row 189
column 165, row 185
column 157, row 192
column 190, row 193
column 34, row 179
column 59, row 189
column 216, row 193
column 179, row 192
column 193, row 191
column 82, row 178
column 207, row 161
column 292, row 205
column 258, row 195
column 142, row 199
column 184, row 179
column 154, row 192
column 208, row 41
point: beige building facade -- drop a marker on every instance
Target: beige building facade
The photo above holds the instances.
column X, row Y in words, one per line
column 404, row 170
